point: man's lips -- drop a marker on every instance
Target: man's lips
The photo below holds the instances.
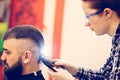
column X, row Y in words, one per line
column 5, row 65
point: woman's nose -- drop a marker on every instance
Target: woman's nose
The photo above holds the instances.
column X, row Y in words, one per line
column 87, row 24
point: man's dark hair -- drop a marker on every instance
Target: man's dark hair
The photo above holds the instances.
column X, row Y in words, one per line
column 25, row 31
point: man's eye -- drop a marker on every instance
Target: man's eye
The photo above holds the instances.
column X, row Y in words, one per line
column 6, row 52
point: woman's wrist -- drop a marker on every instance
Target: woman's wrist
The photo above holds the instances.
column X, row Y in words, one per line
column 79, row 73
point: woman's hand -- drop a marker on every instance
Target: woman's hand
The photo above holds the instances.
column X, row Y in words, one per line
column 71, row 68
column 61, row 74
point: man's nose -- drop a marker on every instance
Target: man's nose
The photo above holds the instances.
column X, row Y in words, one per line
column 3, row 57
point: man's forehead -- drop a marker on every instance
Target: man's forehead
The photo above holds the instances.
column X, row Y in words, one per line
column 14, row 42
column 19, row 43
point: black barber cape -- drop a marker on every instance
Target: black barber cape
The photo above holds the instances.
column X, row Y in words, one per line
column 33, row 76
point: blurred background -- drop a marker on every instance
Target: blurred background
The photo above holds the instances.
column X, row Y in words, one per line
column 62, row 24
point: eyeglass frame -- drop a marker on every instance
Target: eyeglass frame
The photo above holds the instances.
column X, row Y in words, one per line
column 92, row 14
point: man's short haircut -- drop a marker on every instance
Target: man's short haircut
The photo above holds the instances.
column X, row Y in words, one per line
column 25, row 31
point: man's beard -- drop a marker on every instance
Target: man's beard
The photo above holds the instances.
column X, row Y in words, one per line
column 14, row 71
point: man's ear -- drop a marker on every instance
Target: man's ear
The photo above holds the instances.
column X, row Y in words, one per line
column 27, row 56
column 108, row 12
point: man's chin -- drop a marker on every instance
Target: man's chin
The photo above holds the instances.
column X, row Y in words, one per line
column 13, row 71
column 7, row 71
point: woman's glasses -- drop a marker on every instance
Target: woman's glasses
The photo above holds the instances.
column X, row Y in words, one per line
column 98, row 12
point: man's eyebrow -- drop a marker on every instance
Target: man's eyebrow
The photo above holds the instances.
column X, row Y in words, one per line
column 5, row 49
